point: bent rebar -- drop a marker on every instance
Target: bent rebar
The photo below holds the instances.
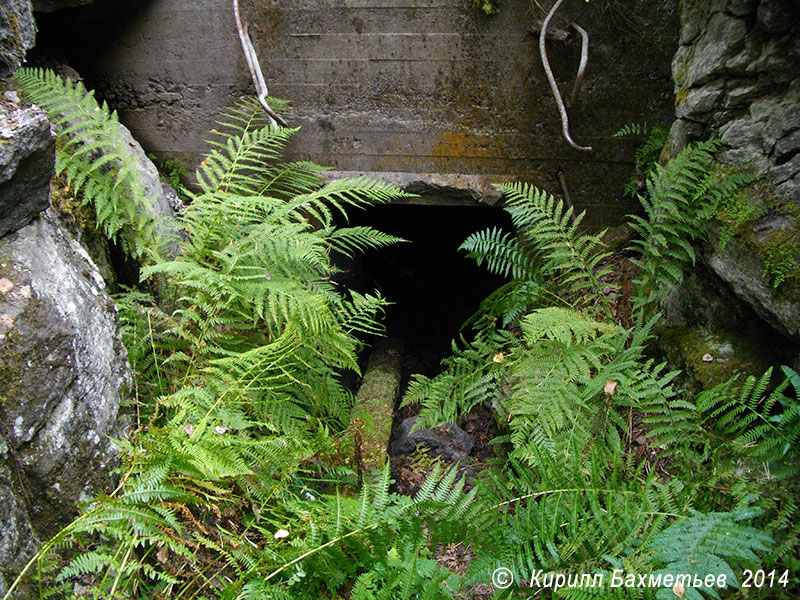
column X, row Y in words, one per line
column 553, row 86
column 254, row 66
column 582, row 65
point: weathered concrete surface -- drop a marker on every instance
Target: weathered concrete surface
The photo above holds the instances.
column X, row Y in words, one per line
column 63, row 374
column 407, row 86
column 27, row 163
column 17, row 34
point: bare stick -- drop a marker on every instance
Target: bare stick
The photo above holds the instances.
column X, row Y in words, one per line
column 584, row 60
column 565, row 192
column 254, row 66
column 553, row 86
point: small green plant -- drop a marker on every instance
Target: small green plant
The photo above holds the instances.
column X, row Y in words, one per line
column 489, row 7
column 782, row 259
column 647, row 155
column 172, row 172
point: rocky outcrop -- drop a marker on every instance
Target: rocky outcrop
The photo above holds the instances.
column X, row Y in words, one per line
column 17, row 34
column 26, row 164
column 63, row 369
column 164, row 200
column 736, row 79
column 63, row 374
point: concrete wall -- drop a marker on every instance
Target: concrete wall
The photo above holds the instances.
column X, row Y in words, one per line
column 397, row 86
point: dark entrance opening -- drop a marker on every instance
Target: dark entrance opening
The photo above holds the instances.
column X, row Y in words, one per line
column 433, row 285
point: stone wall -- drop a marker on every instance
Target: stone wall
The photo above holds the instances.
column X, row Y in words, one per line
column 408, row 88
column 736, row 78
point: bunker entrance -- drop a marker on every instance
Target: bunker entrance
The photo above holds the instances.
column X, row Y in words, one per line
column 433, row 285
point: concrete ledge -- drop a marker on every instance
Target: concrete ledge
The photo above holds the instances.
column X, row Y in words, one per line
column 441, row 189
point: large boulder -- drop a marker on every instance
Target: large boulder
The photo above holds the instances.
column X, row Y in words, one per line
column 164, row 201
column 26, row 164
column 735, row 79
column 17, row 34
column 63, row 375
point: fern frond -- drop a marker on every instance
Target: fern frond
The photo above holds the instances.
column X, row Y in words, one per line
column 572, row 260
column 96, row 160
column 501, row 252
column 711, row 543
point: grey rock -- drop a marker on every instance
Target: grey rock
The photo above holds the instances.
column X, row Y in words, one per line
column 681, row 133
column 788, row 144
column 63, row 375
column 754, row 58
column 746, row 57
column 700, row 102
column 702, row 299
column 17, row 34
column 773, row 59
column 787, row 170
column 790, row 189
column 741, row 8
column 723, row 39
column 738, row 266
column 709, row 356
column 782, row 116
column 27, row 162
column 777, row 16
column 742, row 132
column 745, row 143
column 17, row 541
column 693, row 19
column 160, row 208
column 741, row 92
column 448, row 441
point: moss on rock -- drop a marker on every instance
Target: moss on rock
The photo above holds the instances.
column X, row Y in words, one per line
column 709, row 357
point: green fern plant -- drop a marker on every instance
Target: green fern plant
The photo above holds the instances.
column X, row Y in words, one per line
column 238, row 390
column 95, row 161
column 647, row 155
column 678, row 195
column 569, row 383
column 548, row 247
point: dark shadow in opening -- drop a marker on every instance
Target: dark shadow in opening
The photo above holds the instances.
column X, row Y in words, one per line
column 433, row 285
